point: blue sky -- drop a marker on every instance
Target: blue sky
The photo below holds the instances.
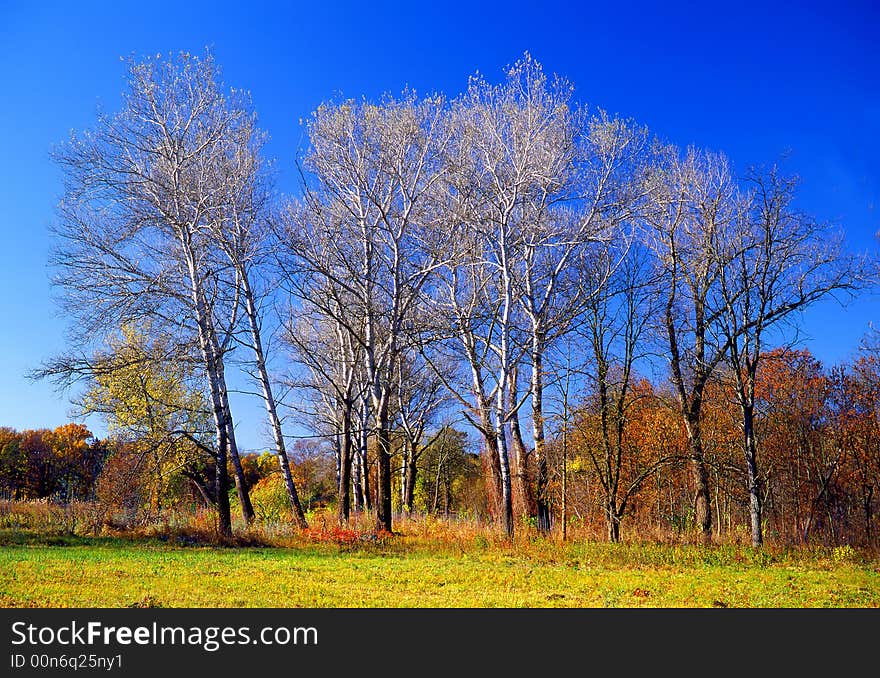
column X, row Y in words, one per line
column 755, row 80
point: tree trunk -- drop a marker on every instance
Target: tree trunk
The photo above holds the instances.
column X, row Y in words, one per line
column 447, row 493
column 271, row 408
column 221, row 487
column 753, row 480
column 410, row 487
column 523, row 497
column 404, row 468
column 435, row 504
column 564, row 502
column 363, row 453
column 700, row 475
column 247, row 509
column 365, row 478
column 219, row 412
column 221, row 475
column 491, row 464
column 503, row 458
column 357, row 479
column 612, row 518
column 244, row 497
column 345, row 454
column 337, row 454
column 542, row 501
column 383, row 489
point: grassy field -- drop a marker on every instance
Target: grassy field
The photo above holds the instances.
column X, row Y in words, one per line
column 413, row 570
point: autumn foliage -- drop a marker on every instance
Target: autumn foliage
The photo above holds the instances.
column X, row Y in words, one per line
column 60, row 463
column 818, row 443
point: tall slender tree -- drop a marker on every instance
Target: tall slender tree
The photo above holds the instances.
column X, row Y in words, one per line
column 779, row 261
column 144, row 192
column 691, row 209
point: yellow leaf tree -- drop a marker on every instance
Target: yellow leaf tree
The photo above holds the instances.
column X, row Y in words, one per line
column 156, row 414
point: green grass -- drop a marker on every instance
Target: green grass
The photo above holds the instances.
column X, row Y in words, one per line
column 67, row 571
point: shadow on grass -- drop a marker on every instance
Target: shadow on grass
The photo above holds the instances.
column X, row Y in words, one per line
column 309, row 541
column 26, row 538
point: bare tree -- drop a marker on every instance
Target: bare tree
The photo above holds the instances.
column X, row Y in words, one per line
column 465, row 312
column 144, row 192
column 513, row 157
column 691, row 208
column 599, row 170
column 615, row 322
column 330, row 354
column 779, row 261
column 420, row 397
column 244, row 237
column 375, row 232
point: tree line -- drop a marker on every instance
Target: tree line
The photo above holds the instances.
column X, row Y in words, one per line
column 62, row 462
column 508, row 258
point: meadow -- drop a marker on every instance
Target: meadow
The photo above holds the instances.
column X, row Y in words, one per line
column 428, row 563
